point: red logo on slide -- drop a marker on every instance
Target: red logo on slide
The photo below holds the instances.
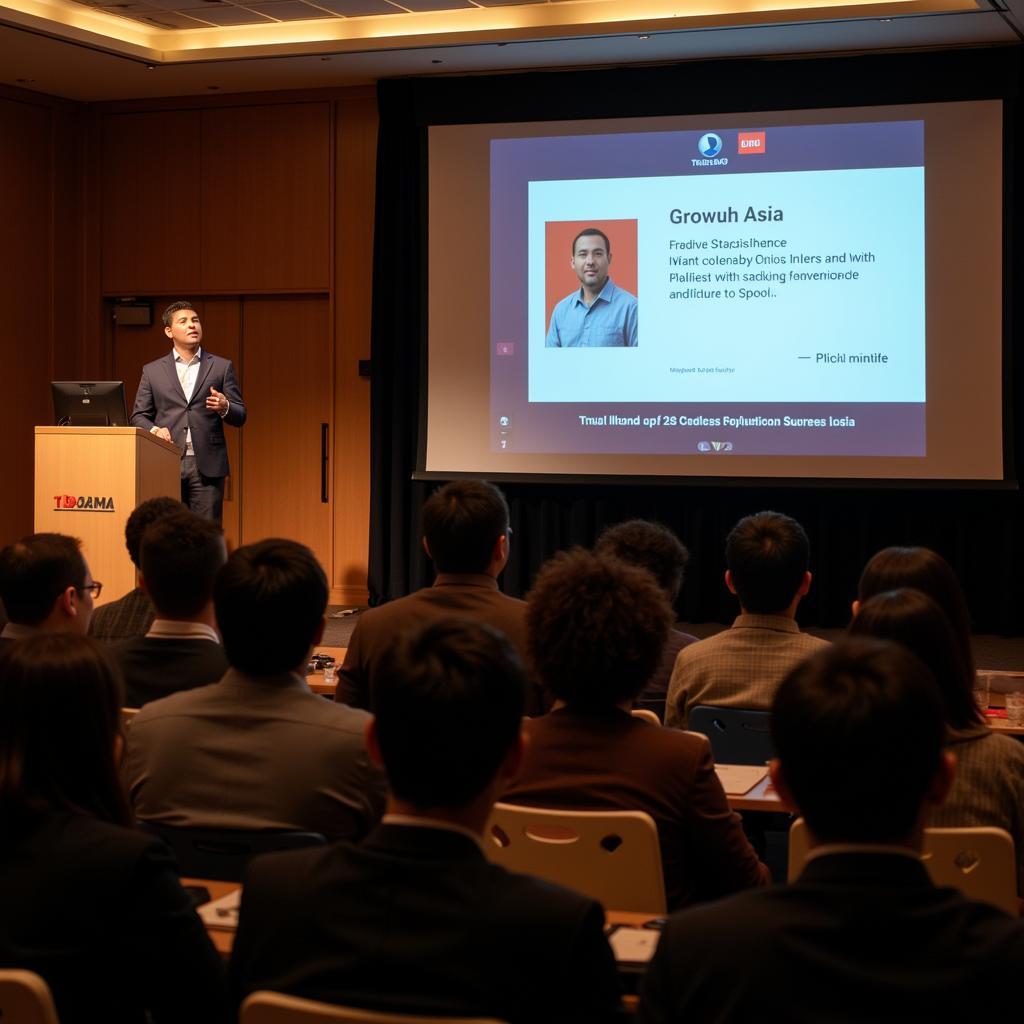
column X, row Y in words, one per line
column 750, row 143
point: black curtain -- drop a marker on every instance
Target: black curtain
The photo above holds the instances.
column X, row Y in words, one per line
column 976, row 529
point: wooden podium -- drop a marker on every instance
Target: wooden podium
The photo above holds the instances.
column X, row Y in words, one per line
column 89, row 480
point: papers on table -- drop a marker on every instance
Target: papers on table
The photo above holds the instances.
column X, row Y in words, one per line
column 738, row 779
column 222, row 913
column 633, row 945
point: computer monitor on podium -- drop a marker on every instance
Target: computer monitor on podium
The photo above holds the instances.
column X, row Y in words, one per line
column 89, row 403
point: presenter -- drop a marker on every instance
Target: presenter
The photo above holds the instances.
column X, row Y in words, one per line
column 185, row 397
column 598, row 314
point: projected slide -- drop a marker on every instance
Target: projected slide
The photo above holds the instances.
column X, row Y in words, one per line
column 754, row 291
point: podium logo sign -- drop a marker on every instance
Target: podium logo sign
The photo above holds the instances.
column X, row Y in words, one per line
column 76, row 503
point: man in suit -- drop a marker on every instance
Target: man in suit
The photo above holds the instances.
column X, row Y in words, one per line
column 415, row 919
column 181, row 555
column 45, row 586
column 258, row 750
column 133, row 614
column 466, row 535
column 183, row 398
column 767, row 556
column 863, row 934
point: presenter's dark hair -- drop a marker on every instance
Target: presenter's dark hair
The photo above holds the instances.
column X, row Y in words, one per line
column 144, row 515
column 461, row 522
column 181, row 555
column 767, row 555
column 60, row 716
column 176, row 307
column 270, row 599
column 595, row 628
column 858, row 729
column 927, row 571
column 649, row 546
column 448, row 701
column 35, row 571
column 592, row 231
column 911, row 618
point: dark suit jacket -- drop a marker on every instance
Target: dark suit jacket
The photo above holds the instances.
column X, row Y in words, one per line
column 470, row 596
column 416, row 920
column 160, row 402
column 858, row 937
column 609, row 760
column 97, row 910
column 128, row 616
column 154, row 667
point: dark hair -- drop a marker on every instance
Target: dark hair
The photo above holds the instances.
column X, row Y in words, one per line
column 911, row 618
column 448, row 701
column 60, row 714
column 596, row 628
column 767, row 555
column 270, row 598
column 592, row 231
column 35, row 571
column 144, row 515
column 181, row 555
column 462, row 522
column 927, row 571
column 858, row 728
column 176, row 307
column 649, row 546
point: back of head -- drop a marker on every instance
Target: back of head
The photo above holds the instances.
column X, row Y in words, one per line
column 927, row 571
column 143, row 516
column 181, row 555
column 270, row 599
column 60, row 701
column 461, row 523
column 35, row 571
column 649, row 546
column 913, row 619
column 448, row 701
column 767, row 555
column 858, row 729
column 595, row 628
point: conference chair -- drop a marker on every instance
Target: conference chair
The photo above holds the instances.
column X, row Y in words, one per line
column 222, row 853
column 127, row 717
column 275, row 1008
column 25, row 999
column 612, row 856
column 737, row 735
column 979, row 861
column 646, row 714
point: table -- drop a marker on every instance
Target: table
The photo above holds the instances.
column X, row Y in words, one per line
column 760, row 797
column 315, row 681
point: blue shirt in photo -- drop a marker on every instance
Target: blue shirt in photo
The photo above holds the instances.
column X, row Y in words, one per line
column 609, row 323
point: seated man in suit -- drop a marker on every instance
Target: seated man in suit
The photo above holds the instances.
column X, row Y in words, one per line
column 258, row 750
column 863, row 934
column 415, row 919
column 466, row 535
column 45, row 586
column 767, row 555
column 133, row 614
column 181, row 555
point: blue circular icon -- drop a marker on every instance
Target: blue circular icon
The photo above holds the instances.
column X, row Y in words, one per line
column 710, row 145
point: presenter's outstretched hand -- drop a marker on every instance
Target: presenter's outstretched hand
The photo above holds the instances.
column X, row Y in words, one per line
column 162, row 432
column 217, row 402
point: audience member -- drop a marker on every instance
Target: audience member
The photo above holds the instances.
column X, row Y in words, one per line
column 258, row 750
column 927, row 571
column 89, row 903
column 466, row 535
column 989, row 785
column 415, row 919
column 767, row 555
column 181, row 554
column 862, row 934
column 597, row 627
column 657, row 549
column 46, row 586
column 133, row 614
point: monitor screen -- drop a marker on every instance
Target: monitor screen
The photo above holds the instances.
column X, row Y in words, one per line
column 89, row 403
